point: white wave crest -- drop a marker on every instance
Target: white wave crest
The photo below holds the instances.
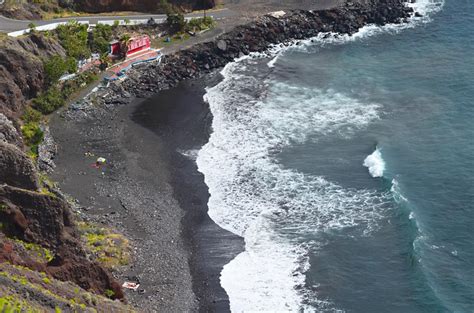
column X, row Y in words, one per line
column 253, row 196
column 425, row 8
column 375, row 163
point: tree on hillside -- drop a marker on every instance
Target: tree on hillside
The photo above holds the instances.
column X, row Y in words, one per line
column 56, row 66
column 176, row 22
column 164, row 7
column 100, row 37
column 73, row 37
column 124, row 44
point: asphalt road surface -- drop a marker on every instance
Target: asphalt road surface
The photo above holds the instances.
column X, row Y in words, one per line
column 11, row 25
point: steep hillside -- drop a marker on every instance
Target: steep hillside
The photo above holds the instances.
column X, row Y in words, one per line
column 43, row 253
column 34, row 10
column 139, row 5
column 21, row 70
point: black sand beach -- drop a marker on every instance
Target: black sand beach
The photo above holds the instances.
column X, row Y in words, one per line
column 153, row 193
column 150, row 188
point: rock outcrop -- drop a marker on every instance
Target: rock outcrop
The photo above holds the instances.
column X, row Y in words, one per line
column 35, row 10
column 257, row 36
column 16, row 168
column 8, row 132
column 138, row 5
column 21, row 70
column 33, row 217
column 46, row 220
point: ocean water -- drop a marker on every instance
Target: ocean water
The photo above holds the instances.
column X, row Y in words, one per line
column 347, row 165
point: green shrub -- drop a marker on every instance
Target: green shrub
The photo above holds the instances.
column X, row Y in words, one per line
column 200, row 23
column 49, row 101
column 54, row 68
column 71, row 65
column 32, row 134
column 176, row 22
column 100, row 38
column 109, row 293
column 31, row 116
column 73, row 37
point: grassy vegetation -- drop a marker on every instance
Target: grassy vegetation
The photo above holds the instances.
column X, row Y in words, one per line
column 56, row 66
column 73, row 37
column 59, row 293
column 46, row 8
column 46, row 184
column 36, row 251
column 182, row 29
column 32, row 133
column 14, row 304
column 109, row 248
column 56, row 96
column 60, row 296
column 100, row 38
column 198, row 24
column 176, row 39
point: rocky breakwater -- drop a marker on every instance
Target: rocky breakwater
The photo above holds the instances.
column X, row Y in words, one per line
column 257, row 36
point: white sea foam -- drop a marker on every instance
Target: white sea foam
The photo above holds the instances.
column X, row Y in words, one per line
column 190, row 154
column 255, row 197
column 375, row 163
column 272, row 62
column 426, row 8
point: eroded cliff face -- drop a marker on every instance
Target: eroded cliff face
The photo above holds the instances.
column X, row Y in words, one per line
column 30, row 10
column 138, row 5
column 21, row 70
column 38, row 235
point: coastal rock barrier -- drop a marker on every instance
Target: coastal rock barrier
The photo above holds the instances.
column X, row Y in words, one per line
column 256, row 36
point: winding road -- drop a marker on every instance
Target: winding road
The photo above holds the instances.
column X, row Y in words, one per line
column 11, row 25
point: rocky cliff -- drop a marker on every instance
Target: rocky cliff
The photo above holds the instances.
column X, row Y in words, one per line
column 21, row 70
column 34, row 10
column 138, row 5
column 38, row 235
column 40, row 246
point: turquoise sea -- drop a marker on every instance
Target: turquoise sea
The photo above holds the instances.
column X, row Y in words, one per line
column 347, row 165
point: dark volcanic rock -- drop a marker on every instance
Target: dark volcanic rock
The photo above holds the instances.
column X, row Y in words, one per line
column 16, row 168
column 46, row 219
column 8, row 132
column 138, row 5
column 35, row 217
column 258, row 36
column 47, row 151
column 21, row 70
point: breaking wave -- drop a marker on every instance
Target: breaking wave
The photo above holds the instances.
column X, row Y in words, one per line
column 255, row 197
column 375, row 163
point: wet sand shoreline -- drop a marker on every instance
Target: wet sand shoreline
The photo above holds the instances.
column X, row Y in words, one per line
column 152, row 193
column 150, row 188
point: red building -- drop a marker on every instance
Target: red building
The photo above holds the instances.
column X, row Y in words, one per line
column 132, row 46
